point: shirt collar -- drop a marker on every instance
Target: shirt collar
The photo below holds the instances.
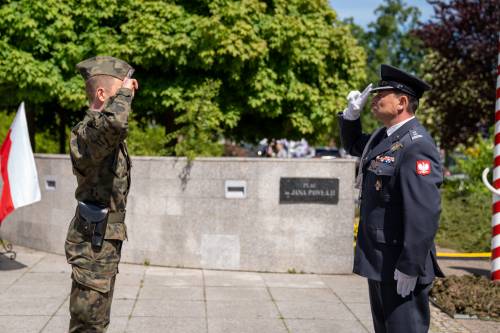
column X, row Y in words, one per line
column 394, row 128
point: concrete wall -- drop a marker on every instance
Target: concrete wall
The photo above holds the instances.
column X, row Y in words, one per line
column 178, row 215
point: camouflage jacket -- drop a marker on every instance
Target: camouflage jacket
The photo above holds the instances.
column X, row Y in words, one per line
column 99, row 154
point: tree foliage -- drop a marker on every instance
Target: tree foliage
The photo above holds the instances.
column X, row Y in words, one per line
column 5, row 121
column 461, row 66
column 465, row 223
column 239, row 69
column 146, row 139
column 388, row 40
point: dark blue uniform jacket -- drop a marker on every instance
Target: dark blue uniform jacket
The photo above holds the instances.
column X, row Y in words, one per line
column 400, row 202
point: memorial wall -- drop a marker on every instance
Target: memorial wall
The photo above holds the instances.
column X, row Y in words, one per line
column 255, row 214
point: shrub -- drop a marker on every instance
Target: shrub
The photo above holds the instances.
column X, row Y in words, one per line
column 146, row 140
column 469, row 295
column 465, row 220
column 466, row 204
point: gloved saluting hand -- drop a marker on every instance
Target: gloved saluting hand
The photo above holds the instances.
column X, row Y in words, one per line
column 405, row 283
column 356, row 102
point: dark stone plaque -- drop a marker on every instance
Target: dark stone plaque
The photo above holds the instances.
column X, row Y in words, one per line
column 309, row 190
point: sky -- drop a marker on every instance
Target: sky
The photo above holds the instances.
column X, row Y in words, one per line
column 362, row 10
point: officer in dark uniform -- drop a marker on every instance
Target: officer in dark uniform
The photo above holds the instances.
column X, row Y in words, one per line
column 399, row 177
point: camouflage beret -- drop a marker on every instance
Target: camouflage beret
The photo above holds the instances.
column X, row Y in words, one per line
column 103, row 65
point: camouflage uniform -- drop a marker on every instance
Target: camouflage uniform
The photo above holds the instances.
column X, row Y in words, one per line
column 101, row 165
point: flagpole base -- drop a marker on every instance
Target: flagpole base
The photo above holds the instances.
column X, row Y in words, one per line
column 7, row 249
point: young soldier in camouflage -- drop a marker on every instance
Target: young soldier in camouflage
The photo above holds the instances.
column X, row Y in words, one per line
column 101, row 165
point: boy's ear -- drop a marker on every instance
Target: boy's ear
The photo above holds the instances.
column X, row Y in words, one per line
column 100, row 94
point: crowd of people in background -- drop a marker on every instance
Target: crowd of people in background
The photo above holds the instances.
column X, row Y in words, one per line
column 284, row 148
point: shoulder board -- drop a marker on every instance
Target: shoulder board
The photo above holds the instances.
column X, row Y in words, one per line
column 414, row 135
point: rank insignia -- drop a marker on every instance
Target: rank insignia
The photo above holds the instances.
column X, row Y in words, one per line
column 378, row 185
column 396, row 146
column 414, row 135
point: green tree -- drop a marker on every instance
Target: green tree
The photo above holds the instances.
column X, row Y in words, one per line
column 39, row 44
column 239, row 69
column 5, row 122
column 146, row 139
column 461, row 66
column 389, row 40
column 466, row 204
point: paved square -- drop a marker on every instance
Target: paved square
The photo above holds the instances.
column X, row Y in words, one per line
column 34, row 291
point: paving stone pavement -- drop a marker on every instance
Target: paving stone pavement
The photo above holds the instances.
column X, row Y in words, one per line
column 34, row 290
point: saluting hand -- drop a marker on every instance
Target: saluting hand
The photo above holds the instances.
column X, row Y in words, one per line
column 356, row 102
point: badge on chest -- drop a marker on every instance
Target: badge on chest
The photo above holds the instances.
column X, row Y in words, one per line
column 396, row 146
column 385, row 159
column 383, row 166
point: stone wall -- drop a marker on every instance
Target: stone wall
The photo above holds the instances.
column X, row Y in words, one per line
column 178, row 214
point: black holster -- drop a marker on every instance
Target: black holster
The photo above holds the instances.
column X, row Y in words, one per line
column 93, row 222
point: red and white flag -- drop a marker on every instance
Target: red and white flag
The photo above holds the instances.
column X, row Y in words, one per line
column 17, row 165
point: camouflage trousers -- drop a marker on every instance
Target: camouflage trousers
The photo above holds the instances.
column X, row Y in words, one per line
column 90, row 309
column 93, row 273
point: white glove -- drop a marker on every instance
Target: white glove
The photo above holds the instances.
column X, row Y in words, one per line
column 406, row 283
column 356, row 102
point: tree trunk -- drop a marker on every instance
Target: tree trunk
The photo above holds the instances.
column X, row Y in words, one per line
column 30, row 119
column 62, row 129
column 170, row 127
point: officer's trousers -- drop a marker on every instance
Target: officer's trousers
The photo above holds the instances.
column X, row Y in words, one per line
column 394, row 314
column 90, row 309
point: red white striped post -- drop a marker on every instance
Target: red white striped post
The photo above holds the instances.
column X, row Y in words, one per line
column 495, row 188
column 495, row 220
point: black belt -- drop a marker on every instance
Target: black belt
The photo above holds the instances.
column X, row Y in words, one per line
column 87, row 228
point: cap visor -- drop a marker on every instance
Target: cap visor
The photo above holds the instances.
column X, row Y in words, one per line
column 382, row 88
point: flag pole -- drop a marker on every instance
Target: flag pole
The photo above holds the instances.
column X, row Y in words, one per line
column 18, row 171
column 7, row 249
column 495, row 188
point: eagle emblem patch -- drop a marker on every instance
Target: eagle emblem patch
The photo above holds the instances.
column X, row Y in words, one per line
column 423, row 167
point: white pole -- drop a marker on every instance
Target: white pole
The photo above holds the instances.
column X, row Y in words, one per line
column 495, row 188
